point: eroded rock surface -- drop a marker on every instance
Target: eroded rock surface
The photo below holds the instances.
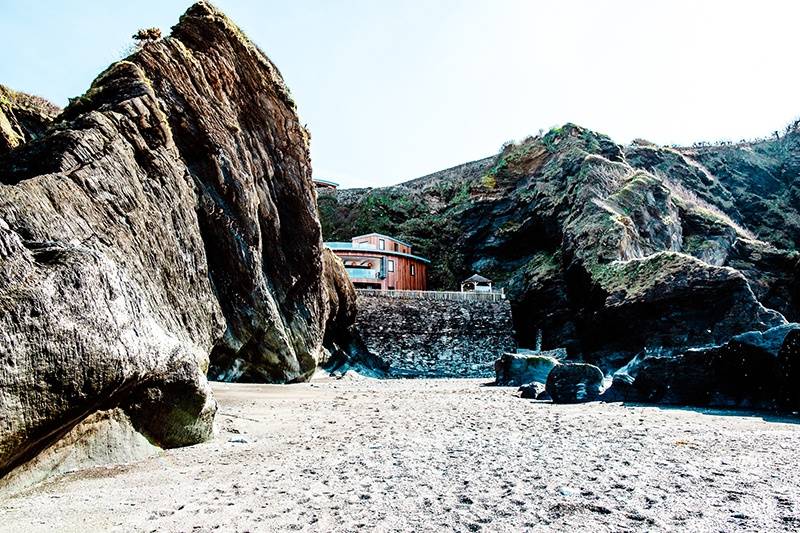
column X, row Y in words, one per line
column 522, row 369
column 606, row 249
column 574, row 383
column 756, row 370
column 23, row 117
column 165, row 222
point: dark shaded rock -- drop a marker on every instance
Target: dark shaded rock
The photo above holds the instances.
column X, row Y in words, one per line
column 762, row 179
column 340, row 297
column 752, row 370
column 518, row 369
column 575, row 383
column 789, row 368
column 344, row 347
column 534, row 391
column 166, row 215
column 670, row 301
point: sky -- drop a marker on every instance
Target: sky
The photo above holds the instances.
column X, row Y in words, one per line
column 396, row 89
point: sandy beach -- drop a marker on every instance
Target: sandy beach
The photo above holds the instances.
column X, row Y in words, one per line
column 433, row 455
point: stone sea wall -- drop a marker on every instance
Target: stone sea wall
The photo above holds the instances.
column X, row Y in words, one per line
column 420, row 337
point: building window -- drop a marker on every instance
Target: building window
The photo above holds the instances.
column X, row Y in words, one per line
column 413, row 270
column 391, row 265
column 396, row 247
column 381, row 244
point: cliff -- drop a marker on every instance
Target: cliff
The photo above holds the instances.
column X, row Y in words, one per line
column 161, row 227
column 607, row 249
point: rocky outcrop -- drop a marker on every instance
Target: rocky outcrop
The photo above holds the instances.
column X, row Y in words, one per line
column 574, row 383
column 753, row 370
column 607, row 250
column 340, row 297
column 521, row 369
column 344, row 348
column 163, row 225
column 23, row 118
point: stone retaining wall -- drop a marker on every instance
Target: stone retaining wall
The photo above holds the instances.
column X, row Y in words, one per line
column 430, row 338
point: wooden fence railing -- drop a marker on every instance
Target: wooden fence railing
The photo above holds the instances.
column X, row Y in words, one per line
column 454, row 296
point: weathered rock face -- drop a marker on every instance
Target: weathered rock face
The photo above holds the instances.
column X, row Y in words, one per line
column 607, row 250
column 340, row 296
column 574, row 383
column 753, row 370
column 419, row 337
column 344, row 348
column 167, row 215
column 23, row 117
column 789, row 370
column 521, row 369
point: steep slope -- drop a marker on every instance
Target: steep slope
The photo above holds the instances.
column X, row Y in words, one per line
column 164, row 223
column 606, row 249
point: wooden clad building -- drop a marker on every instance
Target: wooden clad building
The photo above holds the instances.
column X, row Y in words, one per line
column 376, row 261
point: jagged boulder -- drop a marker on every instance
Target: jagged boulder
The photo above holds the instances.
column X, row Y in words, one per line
column 752, row 370
column 521, row 369
column 575, row 383
column 164, row 223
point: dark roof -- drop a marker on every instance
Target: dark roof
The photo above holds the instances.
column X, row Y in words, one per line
column 477, row 278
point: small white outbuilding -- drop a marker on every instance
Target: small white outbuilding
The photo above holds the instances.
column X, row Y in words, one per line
column 476, row 283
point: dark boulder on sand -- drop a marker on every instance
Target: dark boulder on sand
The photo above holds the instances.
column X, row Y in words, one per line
column 521, row 369
column 575, row 383
column 534, row 391
column 756, row 370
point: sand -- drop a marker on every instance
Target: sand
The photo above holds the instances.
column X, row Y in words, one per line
column 434, row 455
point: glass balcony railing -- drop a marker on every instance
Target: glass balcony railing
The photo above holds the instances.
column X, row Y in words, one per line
column 350, row 245
column 363, row 273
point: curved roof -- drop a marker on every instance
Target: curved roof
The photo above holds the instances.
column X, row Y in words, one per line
column 350, row 247
column 476, row 278
column 395, row 239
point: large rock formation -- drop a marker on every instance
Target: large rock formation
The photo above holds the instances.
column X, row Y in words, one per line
column 574, row 383
column 522, row 369
column 165, row 222
column 753, row 370
column 607, row 250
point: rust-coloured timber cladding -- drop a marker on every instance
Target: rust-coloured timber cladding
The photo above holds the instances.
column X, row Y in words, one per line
column 376, row 261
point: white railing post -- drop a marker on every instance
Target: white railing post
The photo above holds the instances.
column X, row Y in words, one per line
column 454, row 296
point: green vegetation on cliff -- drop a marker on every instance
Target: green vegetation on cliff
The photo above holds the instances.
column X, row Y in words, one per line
column 601, row 246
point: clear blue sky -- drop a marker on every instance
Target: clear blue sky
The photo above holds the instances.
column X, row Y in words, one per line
column 394, row 89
